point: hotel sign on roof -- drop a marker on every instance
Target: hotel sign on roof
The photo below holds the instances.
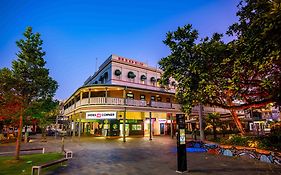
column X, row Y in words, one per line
column 130, row 61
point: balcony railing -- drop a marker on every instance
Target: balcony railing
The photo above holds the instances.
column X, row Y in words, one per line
column 120, row 101
column 161, row 104
column 139, row 103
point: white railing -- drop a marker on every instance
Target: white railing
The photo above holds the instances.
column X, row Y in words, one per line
column 115, row 101
column 132, row 102
column 121, row 101
column 84, row 101
column 97, row 100
column 78, row 104
column 160, row 104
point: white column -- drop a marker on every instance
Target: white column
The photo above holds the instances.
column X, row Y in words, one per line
column 79, row 127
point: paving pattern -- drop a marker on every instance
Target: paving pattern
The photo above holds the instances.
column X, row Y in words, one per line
column 139, row 156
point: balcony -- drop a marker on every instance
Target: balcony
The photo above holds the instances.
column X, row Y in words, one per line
column 120, row 102
column 139, row 103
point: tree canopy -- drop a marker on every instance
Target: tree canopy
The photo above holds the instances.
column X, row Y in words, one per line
column 237, row 75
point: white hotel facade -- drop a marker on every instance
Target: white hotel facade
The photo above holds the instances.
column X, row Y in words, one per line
column 123, row 90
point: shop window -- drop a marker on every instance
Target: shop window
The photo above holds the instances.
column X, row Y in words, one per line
column 152, row 98
column 142, row 97
column 136, row 127
column 130, row 95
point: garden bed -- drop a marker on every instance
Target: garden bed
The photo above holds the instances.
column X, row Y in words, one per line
column 23, row 166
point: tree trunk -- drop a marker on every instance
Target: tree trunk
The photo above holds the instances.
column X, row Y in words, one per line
column 201, row 129
column 43, row 139
column 237, row 122
column 19, row 137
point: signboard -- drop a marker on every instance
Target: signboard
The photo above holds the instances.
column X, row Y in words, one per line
column 101, row 115
column 182, row 136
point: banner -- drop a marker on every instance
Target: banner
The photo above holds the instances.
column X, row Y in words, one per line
column 100, row 115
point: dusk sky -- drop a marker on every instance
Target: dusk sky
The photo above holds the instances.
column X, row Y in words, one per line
column 75, row 33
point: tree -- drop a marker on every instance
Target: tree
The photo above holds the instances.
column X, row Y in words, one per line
column 232, row 75
column 9, row 103
column 201, row 68
column 45, row 112
column 28, row 79
column 258, row 51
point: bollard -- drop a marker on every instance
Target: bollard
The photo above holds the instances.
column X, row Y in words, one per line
column 181, row 144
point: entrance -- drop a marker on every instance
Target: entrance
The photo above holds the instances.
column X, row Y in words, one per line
column 126, row 129
column 162, row 128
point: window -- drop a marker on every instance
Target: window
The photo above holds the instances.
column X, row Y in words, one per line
column 168, row 100
column 142, row 97
column 152, row 98
column 159, row 99
column 136, row 127
column 130, row 95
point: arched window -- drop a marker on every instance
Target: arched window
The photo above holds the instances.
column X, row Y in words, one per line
column 153, row 79
column 131, row 75
column 143, row 77
column 117, row 72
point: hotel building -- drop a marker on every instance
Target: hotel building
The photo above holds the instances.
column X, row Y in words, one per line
column 123, row 91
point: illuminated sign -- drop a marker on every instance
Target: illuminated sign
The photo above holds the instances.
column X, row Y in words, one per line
column 100, row 115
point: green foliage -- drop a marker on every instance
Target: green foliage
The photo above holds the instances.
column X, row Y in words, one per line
column 263, row 142
column 258, row 48
column 44, row 110
column 237, row 140
column 32, row 78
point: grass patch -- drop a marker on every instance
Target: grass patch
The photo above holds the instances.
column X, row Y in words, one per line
column 8, row 165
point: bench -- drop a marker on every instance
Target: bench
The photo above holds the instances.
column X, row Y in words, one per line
column 34, row 149
column 23, row 150
column 38, row 168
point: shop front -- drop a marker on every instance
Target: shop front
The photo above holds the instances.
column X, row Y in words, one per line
column 101, row 124
column 111, row 123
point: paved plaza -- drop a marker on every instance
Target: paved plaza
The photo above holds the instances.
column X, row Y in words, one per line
column 139, row 156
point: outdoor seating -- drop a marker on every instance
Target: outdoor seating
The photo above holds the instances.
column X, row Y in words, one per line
column 38, row 168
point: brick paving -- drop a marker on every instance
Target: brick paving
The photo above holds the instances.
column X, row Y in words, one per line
column 139, row 156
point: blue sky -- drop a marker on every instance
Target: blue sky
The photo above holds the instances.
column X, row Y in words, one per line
column 75, row 33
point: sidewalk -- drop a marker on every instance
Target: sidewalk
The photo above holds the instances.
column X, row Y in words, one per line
column 139, row 156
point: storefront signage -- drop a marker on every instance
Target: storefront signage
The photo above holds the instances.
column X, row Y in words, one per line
column 100, row 115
